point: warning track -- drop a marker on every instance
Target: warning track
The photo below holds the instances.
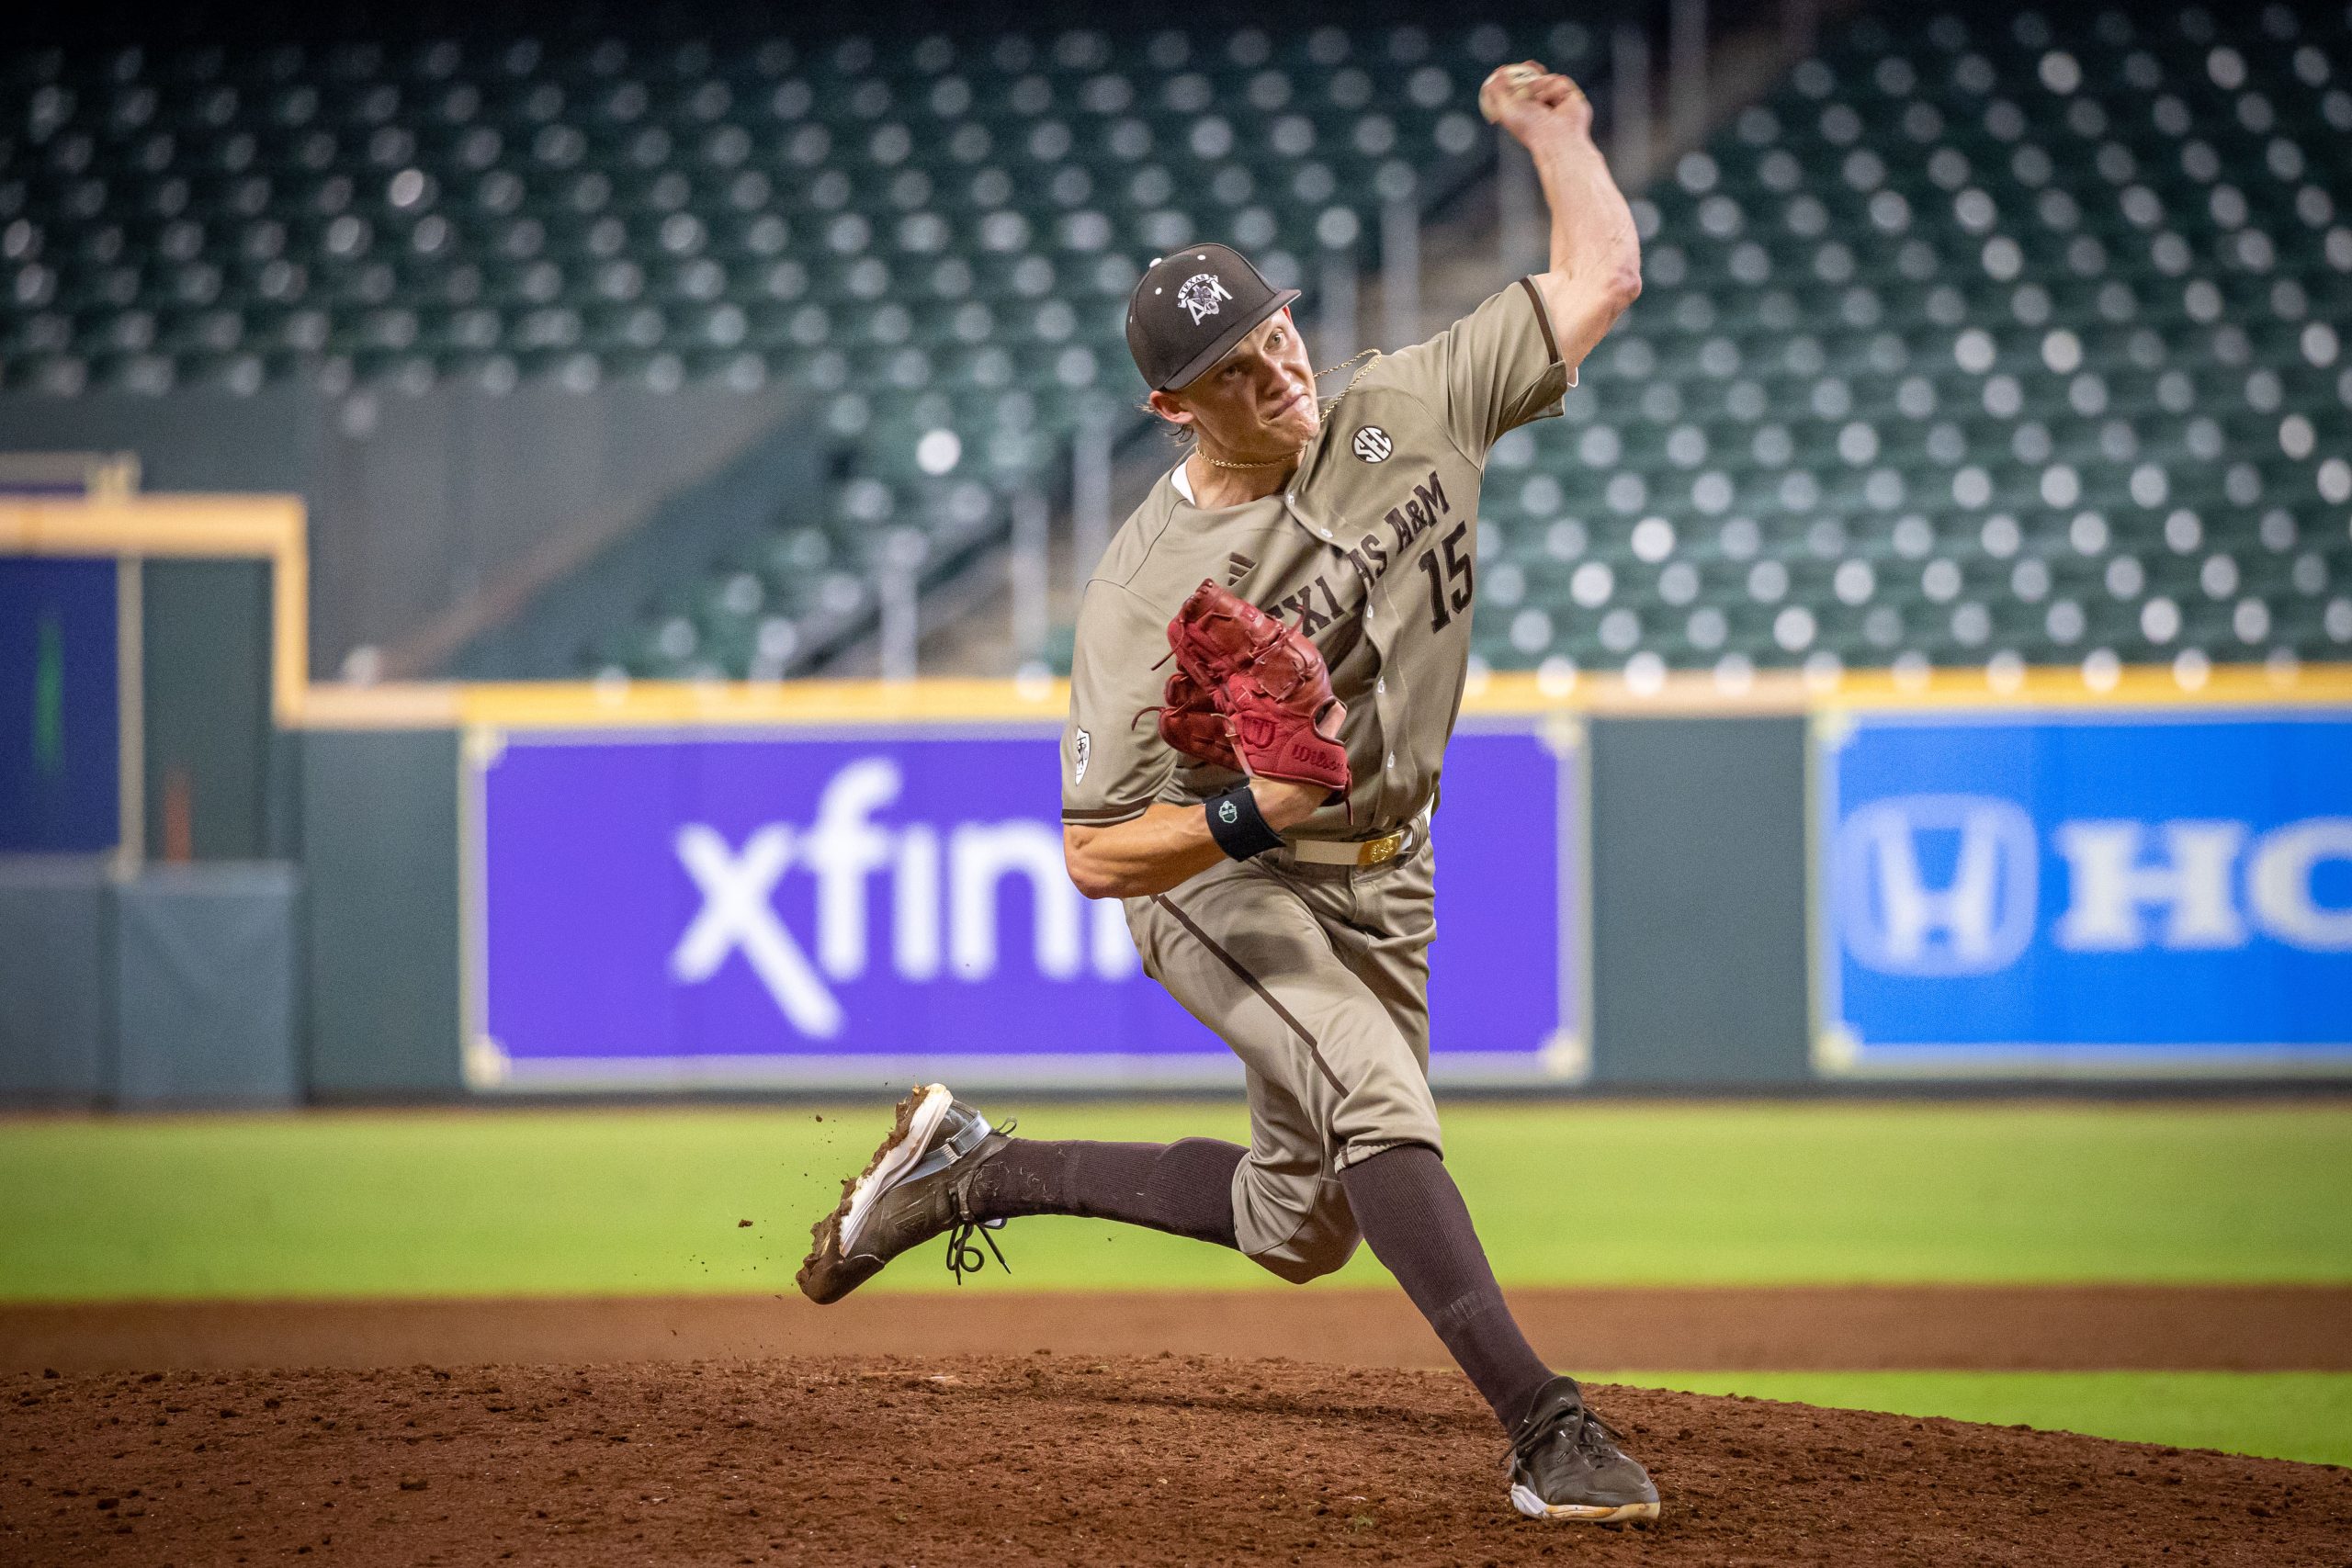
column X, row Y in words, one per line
column 2052, row 1328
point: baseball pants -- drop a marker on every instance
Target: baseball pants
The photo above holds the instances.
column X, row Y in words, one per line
column 1317, row 977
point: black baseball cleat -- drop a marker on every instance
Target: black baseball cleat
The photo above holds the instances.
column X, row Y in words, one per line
column 1565, row 1464
column 916, row 1185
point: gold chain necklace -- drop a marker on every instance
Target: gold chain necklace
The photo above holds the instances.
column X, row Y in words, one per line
column 1278, row 462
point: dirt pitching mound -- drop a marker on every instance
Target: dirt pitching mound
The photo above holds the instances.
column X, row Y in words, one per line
column 1051, row 1458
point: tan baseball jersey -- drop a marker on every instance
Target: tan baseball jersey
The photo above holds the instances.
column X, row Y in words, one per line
column 1371, row 551
column 1318, row 974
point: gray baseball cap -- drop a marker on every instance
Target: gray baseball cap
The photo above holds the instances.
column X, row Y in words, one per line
column 1191, row 307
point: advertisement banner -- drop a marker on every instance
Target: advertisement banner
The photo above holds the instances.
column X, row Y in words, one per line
column 857, row 908
column 2124, row 891
column 61, row 726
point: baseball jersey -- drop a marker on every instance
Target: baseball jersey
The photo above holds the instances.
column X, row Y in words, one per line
column 1371, row 550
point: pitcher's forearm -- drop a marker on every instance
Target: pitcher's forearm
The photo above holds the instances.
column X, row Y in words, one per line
column 1169, row 845
column 1164, row 848
column 1594, row 242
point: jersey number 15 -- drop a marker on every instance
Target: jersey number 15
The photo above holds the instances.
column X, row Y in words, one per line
column 1444, row 602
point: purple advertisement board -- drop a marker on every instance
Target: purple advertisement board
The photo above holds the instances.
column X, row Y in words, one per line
column 856, row 907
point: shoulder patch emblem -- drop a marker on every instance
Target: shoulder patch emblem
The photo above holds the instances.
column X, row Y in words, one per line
column 1372, row 444
column 1080, row 753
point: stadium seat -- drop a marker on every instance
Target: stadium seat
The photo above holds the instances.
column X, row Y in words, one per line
column 909, row 228
column 2006, row 337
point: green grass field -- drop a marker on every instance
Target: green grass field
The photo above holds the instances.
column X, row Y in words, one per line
column 646, row 1201
column 547, row 1202
column 2298, row 1415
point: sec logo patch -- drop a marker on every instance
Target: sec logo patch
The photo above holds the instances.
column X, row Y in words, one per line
column 1372, row 444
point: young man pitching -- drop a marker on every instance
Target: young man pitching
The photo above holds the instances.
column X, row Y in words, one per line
column 1312, row 568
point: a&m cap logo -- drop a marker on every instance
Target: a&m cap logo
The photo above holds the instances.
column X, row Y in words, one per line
column 1372, row 444
column 1199, row 295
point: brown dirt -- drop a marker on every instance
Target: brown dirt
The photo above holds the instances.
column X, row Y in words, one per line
column 1048, row 1459
column 2255, row 1328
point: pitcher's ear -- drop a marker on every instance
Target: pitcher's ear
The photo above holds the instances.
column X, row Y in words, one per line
column 1170, row 407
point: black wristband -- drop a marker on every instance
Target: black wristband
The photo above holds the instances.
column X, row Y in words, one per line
column 1236, row 825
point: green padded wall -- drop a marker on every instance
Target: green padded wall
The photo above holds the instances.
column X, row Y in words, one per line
column 208, row 987
column 380, row 832
column 206, row 627
column 55, row 1031
column 1698, row 903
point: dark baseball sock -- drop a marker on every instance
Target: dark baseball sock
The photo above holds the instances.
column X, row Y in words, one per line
column 1184, row 1188
column 1413, row 1216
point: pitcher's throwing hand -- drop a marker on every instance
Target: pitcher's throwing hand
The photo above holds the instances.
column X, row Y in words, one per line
column 1522, row 96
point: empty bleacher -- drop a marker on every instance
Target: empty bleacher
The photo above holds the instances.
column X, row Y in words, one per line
column 1987, row 338
column 1994, row 338
column 932, row 236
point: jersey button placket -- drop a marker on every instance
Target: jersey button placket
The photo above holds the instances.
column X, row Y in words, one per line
column 1290, row 501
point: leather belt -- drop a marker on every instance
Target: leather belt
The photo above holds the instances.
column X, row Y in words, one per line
column 1350, row 851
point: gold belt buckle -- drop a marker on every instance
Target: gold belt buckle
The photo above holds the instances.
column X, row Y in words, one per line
column 1384, row 848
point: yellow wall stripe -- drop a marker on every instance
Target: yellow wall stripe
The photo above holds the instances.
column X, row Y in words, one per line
column 632, row 704
column 271, row 527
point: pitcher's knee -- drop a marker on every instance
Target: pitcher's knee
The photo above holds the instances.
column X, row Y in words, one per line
column 1293, row 1219
column 1383, row 1115
column 1311, row 1254
column 1318, row 1237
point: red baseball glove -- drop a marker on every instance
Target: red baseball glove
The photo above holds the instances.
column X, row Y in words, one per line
column 1251, row 693
column 1190, row 722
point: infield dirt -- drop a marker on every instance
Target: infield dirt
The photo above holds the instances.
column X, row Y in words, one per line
column 1057, row 1459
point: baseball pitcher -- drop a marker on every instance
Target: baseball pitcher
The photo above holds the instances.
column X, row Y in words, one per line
column 1269, row 659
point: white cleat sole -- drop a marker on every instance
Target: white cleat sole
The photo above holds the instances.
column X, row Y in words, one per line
column 903, row 1148
column 1524, row 1499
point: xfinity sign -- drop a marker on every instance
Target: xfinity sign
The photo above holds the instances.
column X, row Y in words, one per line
column 857, row 908
column 2120, row 891
column 842, row 851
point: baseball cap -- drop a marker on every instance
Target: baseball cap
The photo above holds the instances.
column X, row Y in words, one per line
column 1191, row 307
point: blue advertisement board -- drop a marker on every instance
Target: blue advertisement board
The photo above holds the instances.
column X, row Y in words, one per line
column 61, row 729
column 2112, row 891
column 855, row 909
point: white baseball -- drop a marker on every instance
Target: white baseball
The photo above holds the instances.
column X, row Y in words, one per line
column 1515, row 80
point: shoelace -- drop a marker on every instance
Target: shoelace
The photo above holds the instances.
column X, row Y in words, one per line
column 963, row 1257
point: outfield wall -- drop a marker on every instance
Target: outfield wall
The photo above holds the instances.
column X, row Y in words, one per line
column 659, row 888
column 405, row 892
